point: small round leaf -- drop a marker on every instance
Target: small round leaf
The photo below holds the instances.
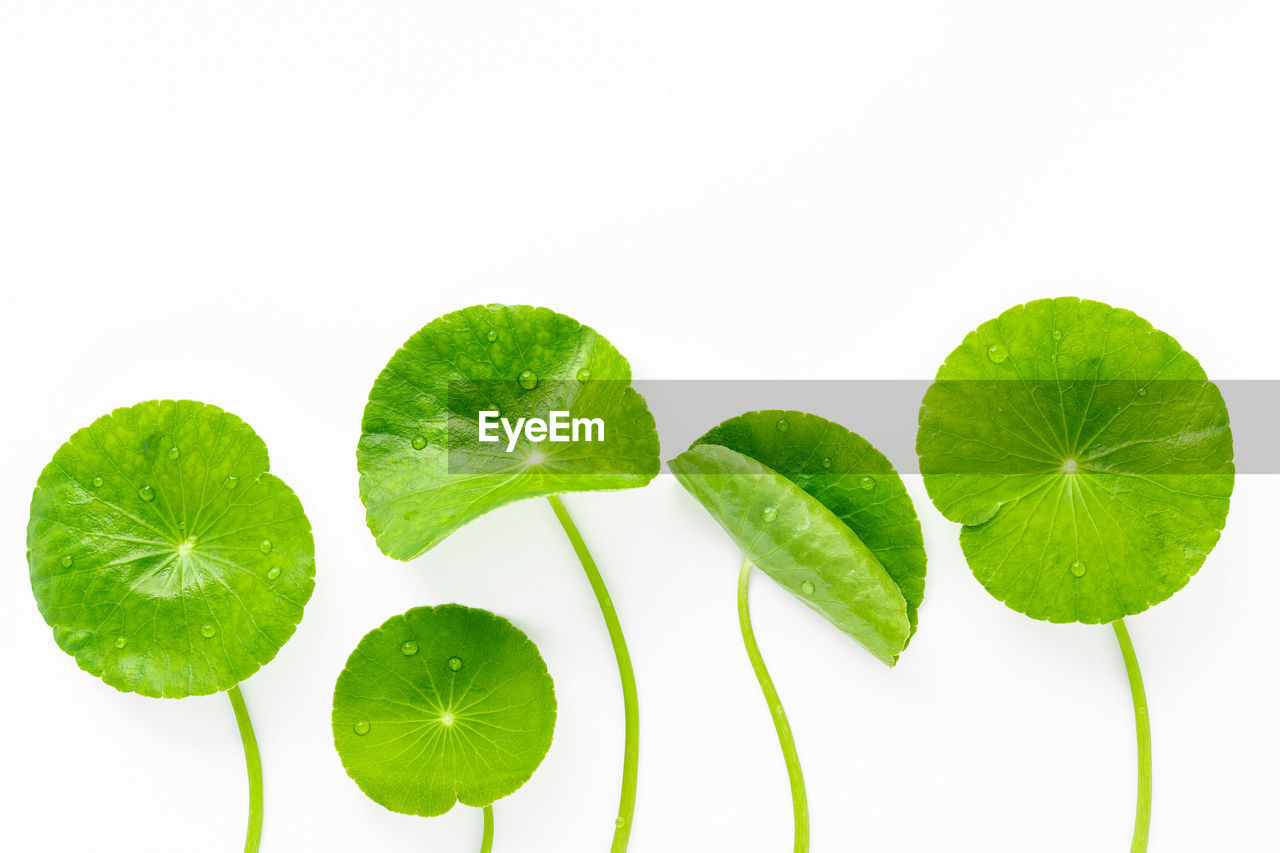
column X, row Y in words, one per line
column 822, row 512
column 166, row 558
column 424, row 472
column 442, row 705
column 1087, row 454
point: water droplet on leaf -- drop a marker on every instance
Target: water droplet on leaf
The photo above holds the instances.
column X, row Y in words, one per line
column 174, row 452
column 230, row 482
column 826, row 462
column 147, row 493
column 783, row 424
column 265, row 546
column 769, row 514
column 121, row 642
column 492, row 335
column 97, row 481
column 1142, row 392
column 1078, row 569
column 997, row 353
column 361, row 727
column 67, row 561
column 273, row 573
column 208, row 631
column 418, row 442
column 1057, row 334
column 807, row 588
column 408, row 648
column 867, row 481
column 584, row 375
column 528, row 380
column 455, row 664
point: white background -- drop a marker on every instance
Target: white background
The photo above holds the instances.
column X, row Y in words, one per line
column 255, row 203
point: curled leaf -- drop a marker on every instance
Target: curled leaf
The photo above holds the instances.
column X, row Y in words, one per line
column 820, row 511
column 424, row 472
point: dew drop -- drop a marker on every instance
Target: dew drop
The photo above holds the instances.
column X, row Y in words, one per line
column 230, row 482
column 867, row 481
column 273, row 573
column 265, row 546
column 528, row 380
column 620, row 822
column 1078, row 569
column 997, row 353
column 1057, row 334
column 147, row 493
column 121, row 642
column 419, row 442
column 174, row 452
column 408, row 648
column 361, row 727
column 208, row 631
column 1142, row 392
column 769, row 514
column 826, row 462
column 807, row 588
column 492, row 335
column 97, row 481
column 584, row 375
column 67, row 561
column 783, row 425
column 455, row 664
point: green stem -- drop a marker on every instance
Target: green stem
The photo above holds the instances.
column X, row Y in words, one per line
column 253, row 761
column 631, row 707
column 486, row 842
column 799, row 801
column 1142, row 718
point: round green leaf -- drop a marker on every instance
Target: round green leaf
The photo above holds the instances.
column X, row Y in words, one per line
column 1087, row 455
column 423, row 470
column 165, row 557
column 822, row 512
column 442, row 705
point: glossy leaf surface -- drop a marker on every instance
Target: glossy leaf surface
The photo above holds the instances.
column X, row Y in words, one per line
column 165, row 556
column 1087, row 455
column 423, row 470
column 443, row 705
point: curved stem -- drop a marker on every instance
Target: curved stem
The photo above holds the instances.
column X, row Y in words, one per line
column 631, row 707
column 486, row 841
column 253, row 761
column 1142, row 718
column 799, row 801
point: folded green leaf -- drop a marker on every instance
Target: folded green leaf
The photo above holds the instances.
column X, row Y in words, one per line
column 1087, row 455
column 166, row 558
column 423, row 470
column 443, row 705
column 820, row 511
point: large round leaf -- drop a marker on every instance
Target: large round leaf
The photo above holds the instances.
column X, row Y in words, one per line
column 820, row 511
column 442, row 705
column 165, row 557
column 424, row 471
column 1087, row 455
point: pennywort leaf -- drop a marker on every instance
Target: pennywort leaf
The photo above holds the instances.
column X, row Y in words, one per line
column 168, row 560
column 428, row 466
column 824, row 514
column 1086, row 454
column 443, row 705
column 1089, row 459
column 424, row 471
column 165, row 556
column 820, row 511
